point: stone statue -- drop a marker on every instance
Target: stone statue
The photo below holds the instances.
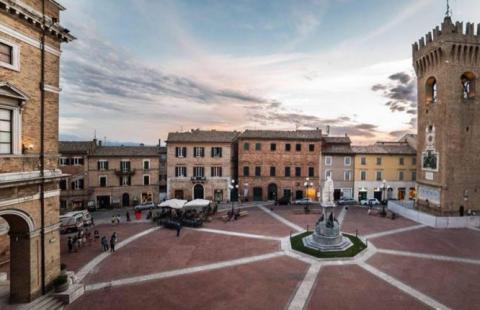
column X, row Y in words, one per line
column 330, row 221
column 327, row 192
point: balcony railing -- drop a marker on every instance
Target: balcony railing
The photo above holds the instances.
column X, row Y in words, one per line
column 124, row 172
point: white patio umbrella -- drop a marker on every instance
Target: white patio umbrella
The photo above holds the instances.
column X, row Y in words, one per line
column 197, row 203
column 173, row 203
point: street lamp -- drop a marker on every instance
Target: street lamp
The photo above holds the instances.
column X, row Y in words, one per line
column 232, row 187
column 384, row 189
column 307, row 184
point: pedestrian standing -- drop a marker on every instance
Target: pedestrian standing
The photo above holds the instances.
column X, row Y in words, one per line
column 113, row 219
column 88, row 235
column 70, row 244
column 96, row 235
column 104, row 242
column 113, row 242
column 179, row 227
column 128, row 216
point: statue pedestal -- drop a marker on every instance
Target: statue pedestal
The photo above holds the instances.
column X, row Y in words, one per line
column 327, row 236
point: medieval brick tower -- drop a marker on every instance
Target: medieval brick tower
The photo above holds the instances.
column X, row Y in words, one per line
column 447, row 64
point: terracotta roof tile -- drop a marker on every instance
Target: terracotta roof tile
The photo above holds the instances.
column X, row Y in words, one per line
column 282, row 134
column 203, row 136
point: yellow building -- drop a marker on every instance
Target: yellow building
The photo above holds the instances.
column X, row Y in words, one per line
column 385, row 170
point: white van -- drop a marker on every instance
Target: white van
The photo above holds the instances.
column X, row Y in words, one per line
column 71, row 221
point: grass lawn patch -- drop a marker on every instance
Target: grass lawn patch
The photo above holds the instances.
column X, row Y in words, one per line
column 297, row 244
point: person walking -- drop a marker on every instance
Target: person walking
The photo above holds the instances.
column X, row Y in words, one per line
column 113, row 242
column 70, row 244
column 104, row 243
column 179, row 227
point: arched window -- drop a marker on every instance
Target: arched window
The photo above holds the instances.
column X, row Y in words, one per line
column 468, row 85
column 431, row 90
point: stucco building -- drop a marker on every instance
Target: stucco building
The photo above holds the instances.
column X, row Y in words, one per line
column 29, row 174
column 338, row 163
column 273, row 164
column 447, row 65
column 385, row 170
column 201, row 164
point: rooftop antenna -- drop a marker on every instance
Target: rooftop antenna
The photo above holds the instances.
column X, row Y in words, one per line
column 448, row 13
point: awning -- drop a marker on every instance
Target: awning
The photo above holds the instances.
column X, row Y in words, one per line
column 173, row 203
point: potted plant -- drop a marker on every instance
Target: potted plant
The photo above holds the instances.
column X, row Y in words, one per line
column 60, row 283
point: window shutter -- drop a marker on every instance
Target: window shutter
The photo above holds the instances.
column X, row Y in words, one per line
column 212, row 172
column 220, row 172
column 106, row 165
column 184, row 151
column 98, row 165
column 80, row 183
column 81, row 161
column 220, row 149
column 202, row 151
column 211, row 152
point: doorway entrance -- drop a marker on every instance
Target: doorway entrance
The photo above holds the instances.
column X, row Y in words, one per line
column 125, row 200
column 257, row 194
column 298, row 195
column 272, row 191
column 103, row 202
column 198, row 191
column 378, row 195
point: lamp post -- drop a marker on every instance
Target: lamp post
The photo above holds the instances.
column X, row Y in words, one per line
column 384, row 197
column 307, row 184
column 232, row 187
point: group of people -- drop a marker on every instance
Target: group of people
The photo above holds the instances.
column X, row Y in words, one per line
column 106, row 245
column 81, row 238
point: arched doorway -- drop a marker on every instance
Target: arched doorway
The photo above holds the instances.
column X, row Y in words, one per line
column 272, row 191
column 125, row 200
column 24, row 255
column 198, row 191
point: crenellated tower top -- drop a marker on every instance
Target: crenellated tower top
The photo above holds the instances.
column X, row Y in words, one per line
column 448, row 41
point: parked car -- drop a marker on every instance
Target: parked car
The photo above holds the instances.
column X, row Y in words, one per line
column 303, row 201
column 71, row 221
column 284, row 201
column 371, row 201
column 347, row 202
column 145, row 206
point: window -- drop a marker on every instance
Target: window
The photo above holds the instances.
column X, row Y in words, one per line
column 246, row 146
column 6, row 132
column 180, row 152
column 273, row 147
column 125, row 181
column 9, row 55
column 272, row 171
column 298, row 147
column 146, row 179
column 347, row 160
column 246, row 171
column 287, row 171
column 125, row 165
column 468, row 85
column 311, row 147
column 400, row 175
column 103, row 181
column 63, row 185
column 298, row 171
column 328, row 160
column 198, row 151
column 198, row 172
column 379, row 161
column 102, row 164
column 401, row 161
column 363, row 175
column 180, row 171
column 63, row 161
column 288, row 147
column 378, row 175
column 258, row 171
column 78, row 161
column 216, row 151
column 414, row 160
column 77, row 184
column 363, row 161
column 216, row 171
column 311, row 171
column 328, row 173
column 414, row 175
column 347, row 175
column 258, row 146
column 146, row 164
column 431, row 90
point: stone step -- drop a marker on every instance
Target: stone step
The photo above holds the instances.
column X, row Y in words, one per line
column 52, row 304
column 36, row 303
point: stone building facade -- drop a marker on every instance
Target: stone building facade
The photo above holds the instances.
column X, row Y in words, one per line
column 34, row 244
column 73, row 161
column 338, row 163
column 162, row 179
column 384, row 170
column 201, row 164
column 274, row 164
column 447, row 65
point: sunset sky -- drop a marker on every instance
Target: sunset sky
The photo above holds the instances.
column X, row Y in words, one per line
column 142, row 68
